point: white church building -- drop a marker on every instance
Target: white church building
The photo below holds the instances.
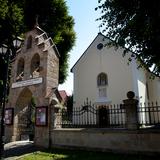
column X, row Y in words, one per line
column 102, row 74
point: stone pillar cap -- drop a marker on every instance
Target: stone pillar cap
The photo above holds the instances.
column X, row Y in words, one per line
column 130, row 95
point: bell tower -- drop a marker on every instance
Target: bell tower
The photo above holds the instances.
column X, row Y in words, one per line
column 35, row 72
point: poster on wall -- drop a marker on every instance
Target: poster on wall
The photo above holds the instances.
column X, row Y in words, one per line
column 8, row 118
column 41, row 116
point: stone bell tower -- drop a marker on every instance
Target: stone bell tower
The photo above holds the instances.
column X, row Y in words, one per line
column 35, row 72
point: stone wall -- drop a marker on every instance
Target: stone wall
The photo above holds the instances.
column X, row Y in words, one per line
column 145, row 141
column 132, row 139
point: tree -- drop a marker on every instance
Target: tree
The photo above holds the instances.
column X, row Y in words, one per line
column 53, row 17
column 10, row 24
column 134, row 25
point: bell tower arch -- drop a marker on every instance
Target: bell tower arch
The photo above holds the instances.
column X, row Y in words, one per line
column 22, row 115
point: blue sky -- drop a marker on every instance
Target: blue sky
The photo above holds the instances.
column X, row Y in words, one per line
column 86, row 28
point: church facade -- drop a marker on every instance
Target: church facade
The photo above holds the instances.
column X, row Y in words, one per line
column 102, row 74
column 35, row 72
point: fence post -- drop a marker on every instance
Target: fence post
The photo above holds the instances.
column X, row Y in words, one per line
column 56, row 114
column 130, row 106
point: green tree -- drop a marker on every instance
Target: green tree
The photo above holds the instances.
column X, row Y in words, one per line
column 10, row 25
column 54, row 18
column 134, row 24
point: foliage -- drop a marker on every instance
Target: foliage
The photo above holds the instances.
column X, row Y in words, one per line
column 10, row 24
column 32, row 108
column 53, row 17
column 33, row 103
column 11, row 21
column 31, row 114
column 134, row 24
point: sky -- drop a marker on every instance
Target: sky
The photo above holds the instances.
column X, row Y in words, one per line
column 86, row 28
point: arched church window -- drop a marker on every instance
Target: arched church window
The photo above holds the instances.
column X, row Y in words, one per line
column 29, row 42
column 20, row 70
column 102, row 79
column 35, row 66
column 102, row 82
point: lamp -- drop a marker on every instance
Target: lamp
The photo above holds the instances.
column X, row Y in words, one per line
column 5, row 52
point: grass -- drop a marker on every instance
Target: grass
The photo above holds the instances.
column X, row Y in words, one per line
column 82, row 155
column 43, row 156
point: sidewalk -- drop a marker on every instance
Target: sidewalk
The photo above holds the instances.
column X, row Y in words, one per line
column 16, row 149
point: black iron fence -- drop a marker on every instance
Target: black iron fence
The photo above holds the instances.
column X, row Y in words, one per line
column 108, row 116
column 91, row 116
column 149, row 115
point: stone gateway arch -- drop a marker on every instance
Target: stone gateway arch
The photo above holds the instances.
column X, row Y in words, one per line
column 34, row 75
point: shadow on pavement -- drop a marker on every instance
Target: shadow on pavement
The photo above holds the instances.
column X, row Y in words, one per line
column 19, row 148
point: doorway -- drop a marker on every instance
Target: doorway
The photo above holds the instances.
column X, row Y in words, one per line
column 103, row 116
column 24, row 116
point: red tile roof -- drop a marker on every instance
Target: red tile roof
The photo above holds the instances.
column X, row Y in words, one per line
column 63, row 95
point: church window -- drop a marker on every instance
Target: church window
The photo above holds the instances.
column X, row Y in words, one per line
column 102, row 92
column 20, row 70
column 102, row 82
column 29, row 42
column 102, row 79
column 35, row 66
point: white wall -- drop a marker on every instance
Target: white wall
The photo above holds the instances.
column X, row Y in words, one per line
column 109, row 61
column 141, row 84
column 121, row 76
column 154, row 89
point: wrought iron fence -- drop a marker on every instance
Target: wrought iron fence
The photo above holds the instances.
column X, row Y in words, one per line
column 110, row 116
column 92, row 116
column 149, row 115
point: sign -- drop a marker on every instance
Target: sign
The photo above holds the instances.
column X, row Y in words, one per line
column 27, row 82
column 41, row 116
column 8, row 116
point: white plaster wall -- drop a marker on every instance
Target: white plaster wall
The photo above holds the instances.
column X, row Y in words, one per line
column 93, row 62
column 154, row 89
column 141, row 84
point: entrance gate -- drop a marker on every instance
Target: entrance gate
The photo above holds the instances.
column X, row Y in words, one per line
column 103, row 117
column 24, row 115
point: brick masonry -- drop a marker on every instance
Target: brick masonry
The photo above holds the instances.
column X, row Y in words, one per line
column 43, row 47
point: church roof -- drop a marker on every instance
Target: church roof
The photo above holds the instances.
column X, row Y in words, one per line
column 63, row 95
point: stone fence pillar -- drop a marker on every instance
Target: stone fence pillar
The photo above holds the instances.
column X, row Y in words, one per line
column 56, row 118
column 130, row 106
